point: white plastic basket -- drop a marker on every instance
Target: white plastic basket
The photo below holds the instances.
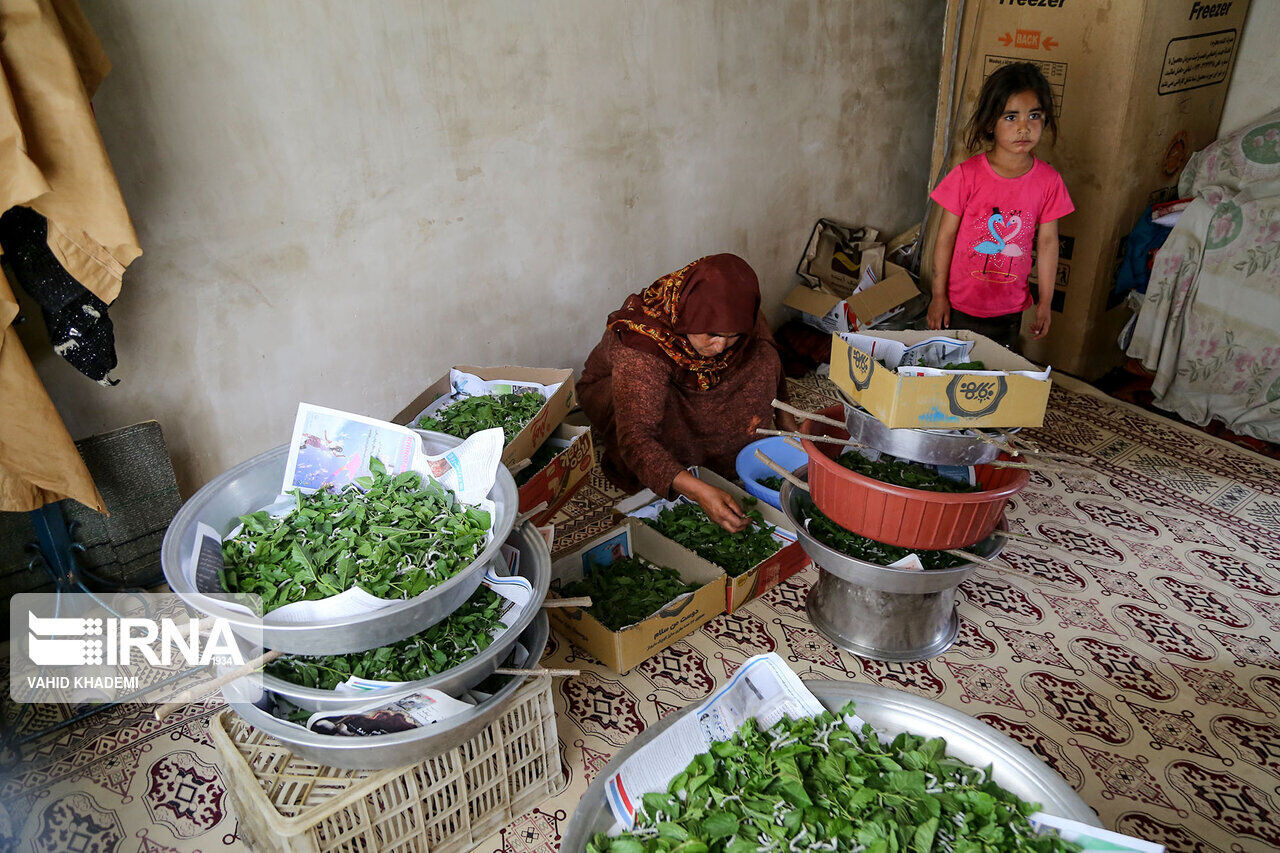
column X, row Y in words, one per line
column 446, row 804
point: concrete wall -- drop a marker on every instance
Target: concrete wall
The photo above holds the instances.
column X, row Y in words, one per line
column 339, row 200
column 1255, row 83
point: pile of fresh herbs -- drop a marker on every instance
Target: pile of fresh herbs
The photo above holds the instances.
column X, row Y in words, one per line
column 396, row 539
column 847, row 542
column 628, row 590
column 736, row 553
column 900, row 472
column 964, row 365
column 774, row 482
column 462, row 635
column 816, row 784
column 473, row 414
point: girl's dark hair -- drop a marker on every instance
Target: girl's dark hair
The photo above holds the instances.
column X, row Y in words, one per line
column 1004, row 83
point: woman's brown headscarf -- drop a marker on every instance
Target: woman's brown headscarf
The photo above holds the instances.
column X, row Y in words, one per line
column 718, row 294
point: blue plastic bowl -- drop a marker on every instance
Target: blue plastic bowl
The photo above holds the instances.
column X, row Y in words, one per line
column 751, row 469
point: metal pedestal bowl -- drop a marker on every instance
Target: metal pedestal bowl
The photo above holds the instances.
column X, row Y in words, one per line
column 932, row 446
column 535, row 567
column 875, row 611
column 255, row 484
column 889, row 712
column 400, row 748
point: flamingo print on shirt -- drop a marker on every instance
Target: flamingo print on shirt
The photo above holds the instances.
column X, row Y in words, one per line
column 1003, row 230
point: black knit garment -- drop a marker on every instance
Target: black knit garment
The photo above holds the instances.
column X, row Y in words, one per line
column 79, row 328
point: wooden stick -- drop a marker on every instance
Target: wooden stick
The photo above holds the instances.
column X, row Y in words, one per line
column 538, row 670
column 579, row 601
column 529, row 513
column 206, row 689
column 808, row 416
column 1024, row 537
column 983, row 561
column 782, row 472
column 794, row 442
column 517, row 467
column 829, row 439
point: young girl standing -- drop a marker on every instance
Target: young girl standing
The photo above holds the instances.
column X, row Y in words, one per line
column 992, row 205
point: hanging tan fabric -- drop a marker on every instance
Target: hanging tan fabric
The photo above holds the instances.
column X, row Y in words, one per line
column 52, row 160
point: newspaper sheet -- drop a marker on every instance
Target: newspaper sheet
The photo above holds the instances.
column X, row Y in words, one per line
column 764, row 687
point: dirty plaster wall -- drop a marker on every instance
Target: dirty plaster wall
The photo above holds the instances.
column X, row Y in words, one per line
column 339, row 200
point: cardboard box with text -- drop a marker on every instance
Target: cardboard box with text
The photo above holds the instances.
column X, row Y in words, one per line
column 622, row 650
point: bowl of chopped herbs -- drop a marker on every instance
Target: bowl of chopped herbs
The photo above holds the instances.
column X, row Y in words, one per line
column 919, row 776
column 452, row 656
column 901, row 502
column 403, row 540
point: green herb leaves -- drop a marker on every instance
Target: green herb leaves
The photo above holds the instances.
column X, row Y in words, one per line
column 396, row 540
column 815, row 784
column 736, row 553
column 473, row 414
column 900, row 472
column 628, row 590
column 463, row 634
column 851, row 544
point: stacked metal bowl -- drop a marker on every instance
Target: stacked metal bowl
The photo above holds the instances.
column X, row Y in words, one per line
column 879, row 611
column 256, row 483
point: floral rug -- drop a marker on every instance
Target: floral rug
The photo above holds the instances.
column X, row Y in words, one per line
column 1138, row 662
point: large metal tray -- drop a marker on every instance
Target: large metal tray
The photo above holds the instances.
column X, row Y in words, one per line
column 535, row 566
column 256, row 483
column 931, row 446
column 889, row 712
column 401, row 748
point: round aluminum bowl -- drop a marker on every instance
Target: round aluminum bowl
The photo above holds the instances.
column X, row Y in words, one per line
column 400, row 748
column 888, row 711
column 535, row 567
column 256, row 483
column 897, row 515
column 932, row 446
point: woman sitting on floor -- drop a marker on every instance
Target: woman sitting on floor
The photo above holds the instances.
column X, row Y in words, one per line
column 685, row 373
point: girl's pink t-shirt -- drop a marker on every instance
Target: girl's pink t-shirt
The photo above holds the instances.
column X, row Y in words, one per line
column 998, row 219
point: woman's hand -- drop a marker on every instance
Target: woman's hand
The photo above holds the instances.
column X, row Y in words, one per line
column 718, row 504
column 939, row 312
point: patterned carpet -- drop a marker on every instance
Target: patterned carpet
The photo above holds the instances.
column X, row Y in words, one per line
column 1140, row 665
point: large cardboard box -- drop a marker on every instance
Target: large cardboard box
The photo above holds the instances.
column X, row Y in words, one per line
column 992, row 398
column 621, row 650
column 1139, row 86
column 536, row 431
column 563, row 475
column 766, row 574
column 830, row 312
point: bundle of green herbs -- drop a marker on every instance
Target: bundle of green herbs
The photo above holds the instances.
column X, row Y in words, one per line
column 965, row 365
column 900, row 472
column 816, row 784
column 461, row 636
column 774, row 483
column 847, row 542
column 628, row 590
column 736, row 553
column 473, row 414
column 393, row 537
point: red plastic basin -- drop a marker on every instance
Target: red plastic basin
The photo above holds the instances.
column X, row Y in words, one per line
column 908, row 518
